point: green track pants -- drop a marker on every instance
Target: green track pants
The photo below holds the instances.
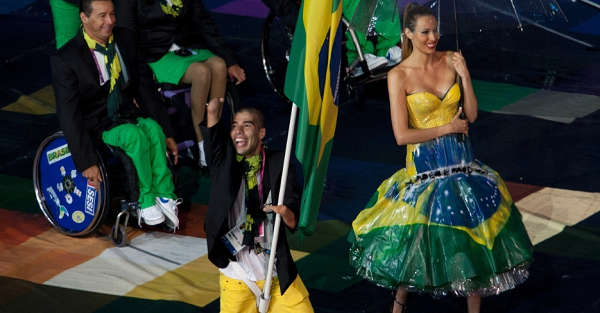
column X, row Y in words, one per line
column 145, row 144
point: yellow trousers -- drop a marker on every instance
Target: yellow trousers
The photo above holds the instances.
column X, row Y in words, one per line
column 236, row 297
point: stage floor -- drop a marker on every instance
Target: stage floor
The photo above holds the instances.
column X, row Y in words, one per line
column 538, row 126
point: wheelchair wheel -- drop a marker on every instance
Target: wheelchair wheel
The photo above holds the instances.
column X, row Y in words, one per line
column 276, row 44
column 71, row 204
column 118, row 236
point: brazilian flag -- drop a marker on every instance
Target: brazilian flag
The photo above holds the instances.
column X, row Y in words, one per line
column 311, row 82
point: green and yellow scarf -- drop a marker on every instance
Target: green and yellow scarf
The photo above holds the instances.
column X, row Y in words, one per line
column 171, row 7
column 113, row 64
column 254, row 213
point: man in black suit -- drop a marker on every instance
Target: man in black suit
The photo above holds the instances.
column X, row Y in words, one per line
column 95, row 79
column 245, row 181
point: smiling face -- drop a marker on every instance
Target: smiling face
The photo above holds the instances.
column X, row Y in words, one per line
column 247, row 134
column 99, row 24
column 425, row 35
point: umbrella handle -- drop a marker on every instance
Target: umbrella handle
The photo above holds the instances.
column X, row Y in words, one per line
column 461, row 137
column 456, row 30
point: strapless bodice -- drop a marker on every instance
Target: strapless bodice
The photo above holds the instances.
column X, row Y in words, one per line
column 426, row 110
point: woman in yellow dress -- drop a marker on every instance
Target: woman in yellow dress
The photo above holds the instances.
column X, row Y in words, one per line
column 446, row 223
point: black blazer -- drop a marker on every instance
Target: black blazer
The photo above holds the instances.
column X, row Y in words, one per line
column 226, row 177
column 81, row 103
column 156, row 31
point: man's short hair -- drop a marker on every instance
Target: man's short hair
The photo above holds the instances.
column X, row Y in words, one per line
column 260, row 118
column 86, row 6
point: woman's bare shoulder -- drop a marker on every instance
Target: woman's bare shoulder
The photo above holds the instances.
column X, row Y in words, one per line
column 397, row 76
column 399, row 72
column 447, row 54
column 397, row 79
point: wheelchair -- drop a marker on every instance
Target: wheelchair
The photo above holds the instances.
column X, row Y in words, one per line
column 277, row 37
column 71, row 204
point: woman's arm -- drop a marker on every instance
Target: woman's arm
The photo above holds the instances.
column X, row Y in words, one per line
column 469, row 99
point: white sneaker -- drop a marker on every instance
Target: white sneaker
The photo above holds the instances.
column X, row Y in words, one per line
column 201, row 155
column 373, row 62
column 394, row 55
column 170, row 210
column 151, row 216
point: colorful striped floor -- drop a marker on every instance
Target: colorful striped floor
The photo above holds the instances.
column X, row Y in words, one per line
column 538, row 126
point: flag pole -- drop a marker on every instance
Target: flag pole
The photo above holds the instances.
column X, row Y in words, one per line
column 265, row 297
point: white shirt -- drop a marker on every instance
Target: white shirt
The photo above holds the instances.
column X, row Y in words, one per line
column 254, row 265
column 99, row 57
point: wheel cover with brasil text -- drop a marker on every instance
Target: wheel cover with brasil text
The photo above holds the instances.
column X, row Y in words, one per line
column 68, row 200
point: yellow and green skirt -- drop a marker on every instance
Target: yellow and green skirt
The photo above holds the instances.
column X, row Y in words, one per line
column 445, row 224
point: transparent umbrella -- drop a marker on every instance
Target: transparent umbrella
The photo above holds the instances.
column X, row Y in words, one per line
column 460, row 16
column 457, row 16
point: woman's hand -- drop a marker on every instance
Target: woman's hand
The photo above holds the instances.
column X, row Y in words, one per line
column 458, row 125
column 469, row 99
column 236, row 74
column 172, row 149
column 460, row 65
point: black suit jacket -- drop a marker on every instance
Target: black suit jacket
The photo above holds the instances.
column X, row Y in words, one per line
column 156, row 31
column 81, row 103
column 226, row 177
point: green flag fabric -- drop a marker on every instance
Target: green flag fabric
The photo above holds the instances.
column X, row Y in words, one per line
column 312, row 82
